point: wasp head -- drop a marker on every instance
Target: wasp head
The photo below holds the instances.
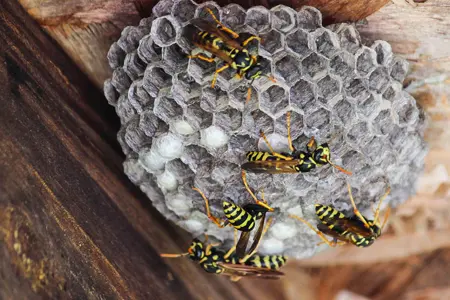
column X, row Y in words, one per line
column 254, row 72
column 322, row 154
column 196, row 250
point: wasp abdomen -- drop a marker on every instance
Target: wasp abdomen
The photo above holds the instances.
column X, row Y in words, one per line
column 238, row 217
column 328, row 214
column 273, row 262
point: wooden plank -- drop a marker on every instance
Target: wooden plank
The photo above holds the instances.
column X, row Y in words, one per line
column 71, row 224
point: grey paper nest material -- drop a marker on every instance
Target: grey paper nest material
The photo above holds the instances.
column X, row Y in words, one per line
column 178, row 132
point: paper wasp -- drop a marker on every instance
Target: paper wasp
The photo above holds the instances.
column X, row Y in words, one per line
column 227, row 263
column 222, row 42
column 242, row 218
column 294, row 162
column 357, row 230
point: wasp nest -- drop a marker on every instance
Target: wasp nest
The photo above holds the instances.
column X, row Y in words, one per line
column 178, row 132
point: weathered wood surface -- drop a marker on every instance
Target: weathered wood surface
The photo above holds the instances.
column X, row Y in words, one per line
column 86, row 30
column 71, row 224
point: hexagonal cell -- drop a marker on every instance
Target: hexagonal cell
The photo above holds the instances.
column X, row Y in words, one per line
column 412, row 147
column 233, row 15
column 399, row 69
column 353, row 161
column 271, row 42
column 384, row 122
column 201, row 70
column 366, row 61
column 151, row 125
column 238, row 98
column 256, row 121
column 183, row 10
column 328, row 87
column 327, row 42
column 110, row 92
column 273, row 100
column 175, row 58
column 148, row 51
column 213, row 99
column 309, row 18
column 379, row 79
column 138, row 96
column 214, row 139
column 318, row 122
column 359, row 133
column 241, row 144
column 115, row 56
column 167, row 109
column 134, row 136
column 186, row 87
column 392, row 91
column 197, row 117
column 134, row 170
column 375, row 149
column 164, row 31
column 344, row 111
column 162, row 8
column 357, row 90
column 124, row 109
column 202, row 13
column 287, row 67
column 296, row 125
column 384, row 52
column 258, row 18
column 302, row 95
column 370, row 105
column 156, row 79
column 121, row 139
column 181, row 171
column 185, row 39
column 130, row 37
column 120, row 80
column 405, row 109
column 298, row 42
column 343, row 65
column 147, row 22
column 315, row 65
column 226, row 79
column 349, row 38
column 398, row 137
column 229, row 119
column 284, row 18
column 133, row 65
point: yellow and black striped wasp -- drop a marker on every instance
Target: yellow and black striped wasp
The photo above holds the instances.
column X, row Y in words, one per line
column 213, row 260
column 294, row 162
column 222, row 42
column 242, row 218
column 357, row 229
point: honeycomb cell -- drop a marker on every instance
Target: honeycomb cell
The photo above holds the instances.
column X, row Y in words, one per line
column 370, row 105
column 175, row 58
column 328, row 87
column 366, row 61
column 349, row 38
column 202, row 71
column 183, row 10
column 130, row 37
column 110, row 92
column 115, row 56
column 185, row 39
column 343, row 110
column 121, row 139
column 238, row 98
column 134, row 136
column 156, row 79
column 410, row 149
column 258, row 18
column 124, row 109
column 120, row 80
column 274, row 100
column 399, row 69
column 180, row 170
column 162, row 8
column 315, row 66
column 229, row 119
column 272, row 42
column 151, row 125
column 383, row 51
column 309, row 18
column 257, row 121
column 198, row 159
column 241, row 143
column 383, row 123
column 133, row 65
column 327, row 42
column 379, row 80
column 186, row 87
column 357, row 90
column 405, row 109
column 233, row 16
column 302, row 95
column 138, row 97
column 167, row 109
column 283, row 18
column 343, row 65
column 392, row 91
column 359, row 133
column 318, row 122
column 353, row 161
column 164, row 31
column 298, row 42
column 134, row 170
column 296, row 125
column 148, row 51
column 375, row 149
column 213, row 100
column 168, row 146
column 202, row 13
column 288, row 68
column 226, row 173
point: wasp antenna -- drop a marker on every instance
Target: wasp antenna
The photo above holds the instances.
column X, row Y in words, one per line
column 339, row 168
column 169, row 255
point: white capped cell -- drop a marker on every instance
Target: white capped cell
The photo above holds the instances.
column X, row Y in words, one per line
column 169, row 146
column 214, row 137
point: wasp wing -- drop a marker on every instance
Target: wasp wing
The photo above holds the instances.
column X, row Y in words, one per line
column 258, row 235
column 352, row 224
column 334, row 234
column 241, row 245
column 249, row 271
column 271, row 166
column 209, row 27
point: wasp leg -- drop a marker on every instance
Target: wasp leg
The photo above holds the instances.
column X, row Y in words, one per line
column 386, row 216
column 377, row 212
column 208, row 212
column 213, row 83
column 245, row 258
column 355, row 210
column 244, row 43
column 311, row 145
column 340, row 243
column 289, row 137
column 262, row 203
column 283, row 157
column 320, row 234
column 229, row 252
column 221, row 26
column 202, row 57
